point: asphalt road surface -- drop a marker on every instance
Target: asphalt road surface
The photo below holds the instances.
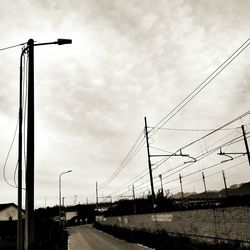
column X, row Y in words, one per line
column 88, row 238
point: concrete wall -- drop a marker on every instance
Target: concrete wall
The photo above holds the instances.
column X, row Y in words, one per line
column 7, row 213
column 228, row 223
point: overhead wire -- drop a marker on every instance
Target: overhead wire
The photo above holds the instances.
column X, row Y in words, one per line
column 201, row 156
column 190, row 129
column 143, row 174
column 195, row 172
column 198, row 89
column 209, row 167
column 15, row 132
column 131, row 181
column 136, row 147
column 201, row 86
column 235, row 140
column 121, row 166
column 160, row 149
column 15, row 181
column 197, row 156
column 176, row 171
column 13, row 46
column 203, row 137
column 200, row 170
column 159, row 163
column 25, row 103
column 7, row 157
column 23, row 78
column 207, row 176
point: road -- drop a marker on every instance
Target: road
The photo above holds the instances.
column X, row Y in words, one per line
column 88, row 238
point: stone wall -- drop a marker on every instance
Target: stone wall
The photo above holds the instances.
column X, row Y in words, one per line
column 227, row 223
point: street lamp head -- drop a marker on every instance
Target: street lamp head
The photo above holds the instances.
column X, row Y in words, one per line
column 62, row 41
column 65, row 172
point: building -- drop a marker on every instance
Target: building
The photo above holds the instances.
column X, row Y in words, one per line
column 8, row 212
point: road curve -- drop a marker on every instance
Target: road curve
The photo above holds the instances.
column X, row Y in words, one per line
column 88, row 238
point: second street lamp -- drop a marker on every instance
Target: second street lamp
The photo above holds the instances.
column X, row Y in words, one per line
column 60, row 194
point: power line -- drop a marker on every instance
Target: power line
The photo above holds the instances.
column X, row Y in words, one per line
column 195, row 172
column 191, row 164
column 122, row 166
column 159, row 163
column 201, row 86
column 160, row 149
column 25, row 103
column 143, row 174
column 7, row 157
column 130, row 155
column 198, row 89
column 214, row 131
column 206, row 168
column 225, row 169
column 15, row 132
column 195, row 92
column 15, row 174
column 131, row 181
column 190, row 129
column 13, row 46
column 202, row 157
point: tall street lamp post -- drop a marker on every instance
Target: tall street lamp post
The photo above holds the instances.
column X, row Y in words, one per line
column 60, row 194
column 29, row 213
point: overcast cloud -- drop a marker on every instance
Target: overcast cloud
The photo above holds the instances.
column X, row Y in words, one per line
column 129, row 59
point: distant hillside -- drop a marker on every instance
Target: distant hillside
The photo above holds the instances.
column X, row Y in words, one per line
column 179, row 195
column 234, row 190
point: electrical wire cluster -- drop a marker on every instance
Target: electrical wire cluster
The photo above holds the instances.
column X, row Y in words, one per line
column 212, row 149
column 23, row 109
column 204, row 161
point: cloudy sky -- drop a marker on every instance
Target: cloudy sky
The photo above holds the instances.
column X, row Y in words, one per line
column 129, row 60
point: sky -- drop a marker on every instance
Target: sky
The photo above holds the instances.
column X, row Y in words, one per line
column 128, row 60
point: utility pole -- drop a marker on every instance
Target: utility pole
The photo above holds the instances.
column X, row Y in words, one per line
column 203, row 177
column 162, row 192
column 246, row 143
column 20, row 152
column 29, row 215
column 96, row 190
column 29, row 203
column 224, row 178
column 149, row 164
column 133, row 190
column 182, row 194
